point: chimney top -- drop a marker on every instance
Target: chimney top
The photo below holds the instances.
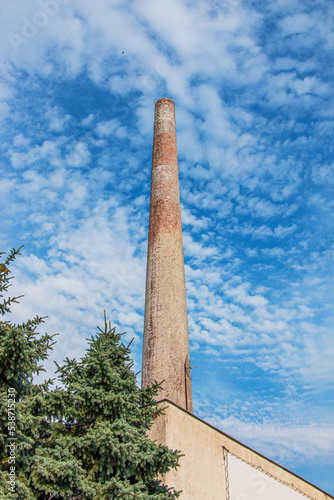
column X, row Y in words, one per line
column 164, row 100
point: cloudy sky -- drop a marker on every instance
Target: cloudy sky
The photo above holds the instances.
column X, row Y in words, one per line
column 253, row 88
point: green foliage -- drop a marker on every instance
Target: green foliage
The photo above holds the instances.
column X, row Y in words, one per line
column 86, row 439
column 21, row 348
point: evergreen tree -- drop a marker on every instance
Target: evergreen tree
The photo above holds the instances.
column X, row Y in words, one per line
column 21, row 351
column 86, row 439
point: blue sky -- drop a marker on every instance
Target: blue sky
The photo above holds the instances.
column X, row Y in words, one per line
column 253, row 88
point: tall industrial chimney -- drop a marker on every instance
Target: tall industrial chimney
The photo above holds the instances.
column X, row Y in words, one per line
column 166, row 344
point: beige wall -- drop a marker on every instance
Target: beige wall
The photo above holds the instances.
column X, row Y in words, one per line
column 202, row 474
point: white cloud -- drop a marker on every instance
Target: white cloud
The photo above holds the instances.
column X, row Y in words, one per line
column 283, row 442
column 79, row 156
column 298, row 23
column 86, row 122
column 20, row 141
column 197, row 249
column 57, row 120
column 241, row 296
column 48, row 149
column 188, row 218
column 111, row 127
column 322, row 174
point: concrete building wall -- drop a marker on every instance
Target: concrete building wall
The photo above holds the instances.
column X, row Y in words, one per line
column 202, row 474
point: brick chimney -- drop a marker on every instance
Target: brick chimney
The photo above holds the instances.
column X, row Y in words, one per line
column 166, row 344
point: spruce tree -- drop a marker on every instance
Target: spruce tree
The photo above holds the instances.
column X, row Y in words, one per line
column 22, row 350
column 87, row 438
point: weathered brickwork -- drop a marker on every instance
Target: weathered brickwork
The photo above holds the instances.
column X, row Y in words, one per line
column 166, row 344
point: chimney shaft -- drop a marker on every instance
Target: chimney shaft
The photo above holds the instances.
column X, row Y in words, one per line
column 166, row 344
